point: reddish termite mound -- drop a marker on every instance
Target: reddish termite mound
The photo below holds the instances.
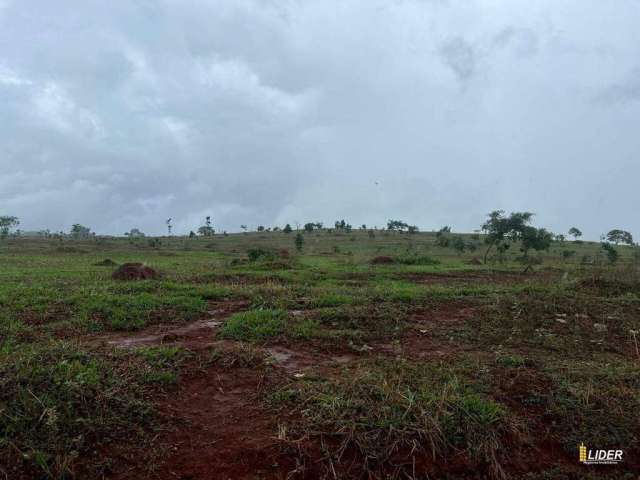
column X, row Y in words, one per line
column 134, row 271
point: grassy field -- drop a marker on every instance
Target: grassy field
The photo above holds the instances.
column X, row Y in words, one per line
column 250, row 359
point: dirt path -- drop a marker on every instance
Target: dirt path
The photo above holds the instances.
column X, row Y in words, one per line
column 218, row 431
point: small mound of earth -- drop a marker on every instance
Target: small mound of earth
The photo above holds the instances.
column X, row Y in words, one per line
column 381, row 260
column 134, row 271
column 107, row 262
column 474, row 261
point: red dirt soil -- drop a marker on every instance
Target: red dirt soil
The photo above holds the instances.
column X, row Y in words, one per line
column 218, row 431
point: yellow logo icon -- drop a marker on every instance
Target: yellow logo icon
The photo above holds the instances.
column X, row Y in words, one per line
column 583, row 452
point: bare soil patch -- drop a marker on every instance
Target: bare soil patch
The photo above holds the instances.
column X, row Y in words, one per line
column 425, row 338
column 216, row 428
column 194, row 336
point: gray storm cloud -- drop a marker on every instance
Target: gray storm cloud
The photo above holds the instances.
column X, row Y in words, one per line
column 121, row 114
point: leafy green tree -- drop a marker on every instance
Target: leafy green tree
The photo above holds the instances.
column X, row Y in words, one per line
column 397, row 226
column 287, row 228
column 575, row 233
column 299, row 241
column 620, row 236
column 309, row 227
column 7, row 222
column 534, row 238
column 500, row 230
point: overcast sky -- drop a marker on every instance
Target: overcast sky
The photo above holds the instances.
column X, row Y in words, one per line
column 123, row 113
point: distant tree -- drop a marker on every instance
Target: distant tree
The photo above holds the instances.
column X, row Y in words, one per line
column 169, row 226
column 610, row 251
column 308, row 227
column 363, row 226
column 343, row 226
column 134, row 233
column 287, row 228
column 206, row 230
column 7, row 222
column 458, row 244
column 442, row 237
column 412, row 229
column 559, row 238
column 276, row 228
column 260, row 228
column 397, row 226
column 299, row 241
column 500, row 230
column 575, row 233
column 192, row 234
column 244, row 228
column 534, row 238
column 620, row 236
column 371, row 234
column 80, row 231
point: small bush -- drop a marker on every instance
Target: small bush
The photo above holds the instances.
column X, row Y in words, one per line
column 256, row 254
column 417, row 260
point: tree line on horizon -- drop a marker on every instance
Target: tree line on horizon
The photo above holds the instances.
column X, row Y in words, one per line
column 500, row 231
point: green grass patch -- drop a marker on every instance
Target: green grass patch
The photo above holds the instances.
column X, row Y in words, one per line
column 254, row 325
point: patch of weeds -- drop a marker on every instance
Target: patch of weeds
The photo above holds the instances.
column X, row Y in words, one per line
column 512, row 361
column 397, row 291
column 416, row 260
column 129, row 312
column 254, row 325
column 331, row 299
column 389, row 408
column 305, row 328
column 592, row 402
column 243, row 355
column 366, row 321
column 56, row 400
